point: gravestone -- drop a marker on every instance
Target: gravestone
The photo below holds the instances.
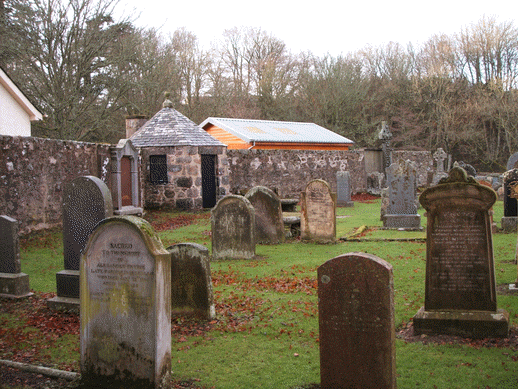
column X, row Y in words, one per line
column 509, row 221
column 269, row 226
column 356, row 323
column 125, row 179
column 233, row 228
column 512, row 162
column 318, row 212
column 343, row 189
column 401, row 211
column 191, row 283
column 439, row 156
column 125, row 306
column 86, row 201
column 460, row 295
column 13, row 283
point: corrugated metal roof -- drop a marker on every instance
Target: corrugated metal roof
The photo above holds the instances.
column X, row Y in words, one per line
column 170, row 128
column 275, row 131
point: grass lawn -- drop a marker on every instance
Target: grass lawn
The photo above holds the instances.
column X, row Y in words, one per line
column 266, row 332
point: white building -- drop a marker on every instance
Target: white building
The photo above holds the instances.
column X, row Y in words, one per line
column 16, row 111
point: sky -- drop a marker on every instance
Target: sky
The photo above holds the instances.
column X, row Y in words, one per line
column 320, row 26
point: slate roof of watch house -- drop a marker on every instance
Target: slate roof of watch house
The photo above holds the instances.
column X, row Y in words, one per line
column 168, row 127
column 248, row 133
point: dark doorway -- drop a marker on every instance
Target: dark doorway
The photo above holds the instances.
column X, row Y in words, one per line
column 209, row 184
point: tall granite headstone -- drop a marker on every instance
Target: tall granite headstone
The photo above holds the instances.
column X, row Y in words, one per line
column 125, row 306
column 318, row 212
column 233, row 228
column 460, row 295
column 510, row 219
column 13, row 283
column 401, row 212
column 268, row 215
column 191, row 283
column 343, row 189
column 356, row 323
column 86, row 201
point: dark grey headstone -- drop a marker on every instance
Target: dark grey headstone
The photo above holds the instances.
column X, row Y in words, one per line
column 86, row 201
column 9, row 246
column 233, row 228
column 268, row 215
column 343, row 189
column 13, row 283
column 356, row 323
column 401, row 210
column 125, row 306
column 191, row 283
column 460, row 292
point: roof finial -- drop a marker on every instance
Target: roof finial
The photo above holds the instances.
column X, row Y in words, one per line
column 167, row 103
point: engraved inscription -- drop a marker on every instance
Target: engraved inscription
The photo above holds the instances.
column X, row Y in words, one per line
column 458, row 257
column 120, row 272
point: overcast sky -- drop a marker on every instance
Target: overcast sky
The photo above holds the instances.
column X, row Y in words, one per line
column 320, row 26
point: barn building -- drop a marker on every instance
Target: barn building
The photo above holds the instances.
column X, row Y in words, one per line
column 274, row 135
column 182, row 166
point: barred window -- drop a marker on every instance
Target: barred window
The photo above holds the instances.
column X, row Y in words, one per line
column 158, row 169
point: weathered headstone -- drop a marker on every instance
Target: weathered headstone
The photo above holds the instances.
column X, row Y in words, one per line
column 86, row 201
column 13, row 283
column 343, row 189
column 268, row 215
column 512, row 162
column 191, row 283
column 356, row 323
column 233, row 228
column 509, row 221
column 125, row 306
column 401, row 212
column 460, row 295
column 439, row 156
column 318, row 212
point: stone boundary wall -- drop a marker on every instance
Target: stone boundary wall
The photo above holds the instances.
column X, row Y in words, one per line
column 33, row 173
column 423, row 160
column 289, row 171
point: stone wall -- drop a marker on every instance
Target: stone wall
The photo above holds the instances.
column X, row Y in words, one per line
column 33, row 173
column 184, row 187
column 289, row 171
column 423, row 160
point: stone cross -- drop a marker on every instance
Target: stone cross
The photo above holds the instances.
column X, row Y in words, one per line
column 440, row 156
column 385, row 136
